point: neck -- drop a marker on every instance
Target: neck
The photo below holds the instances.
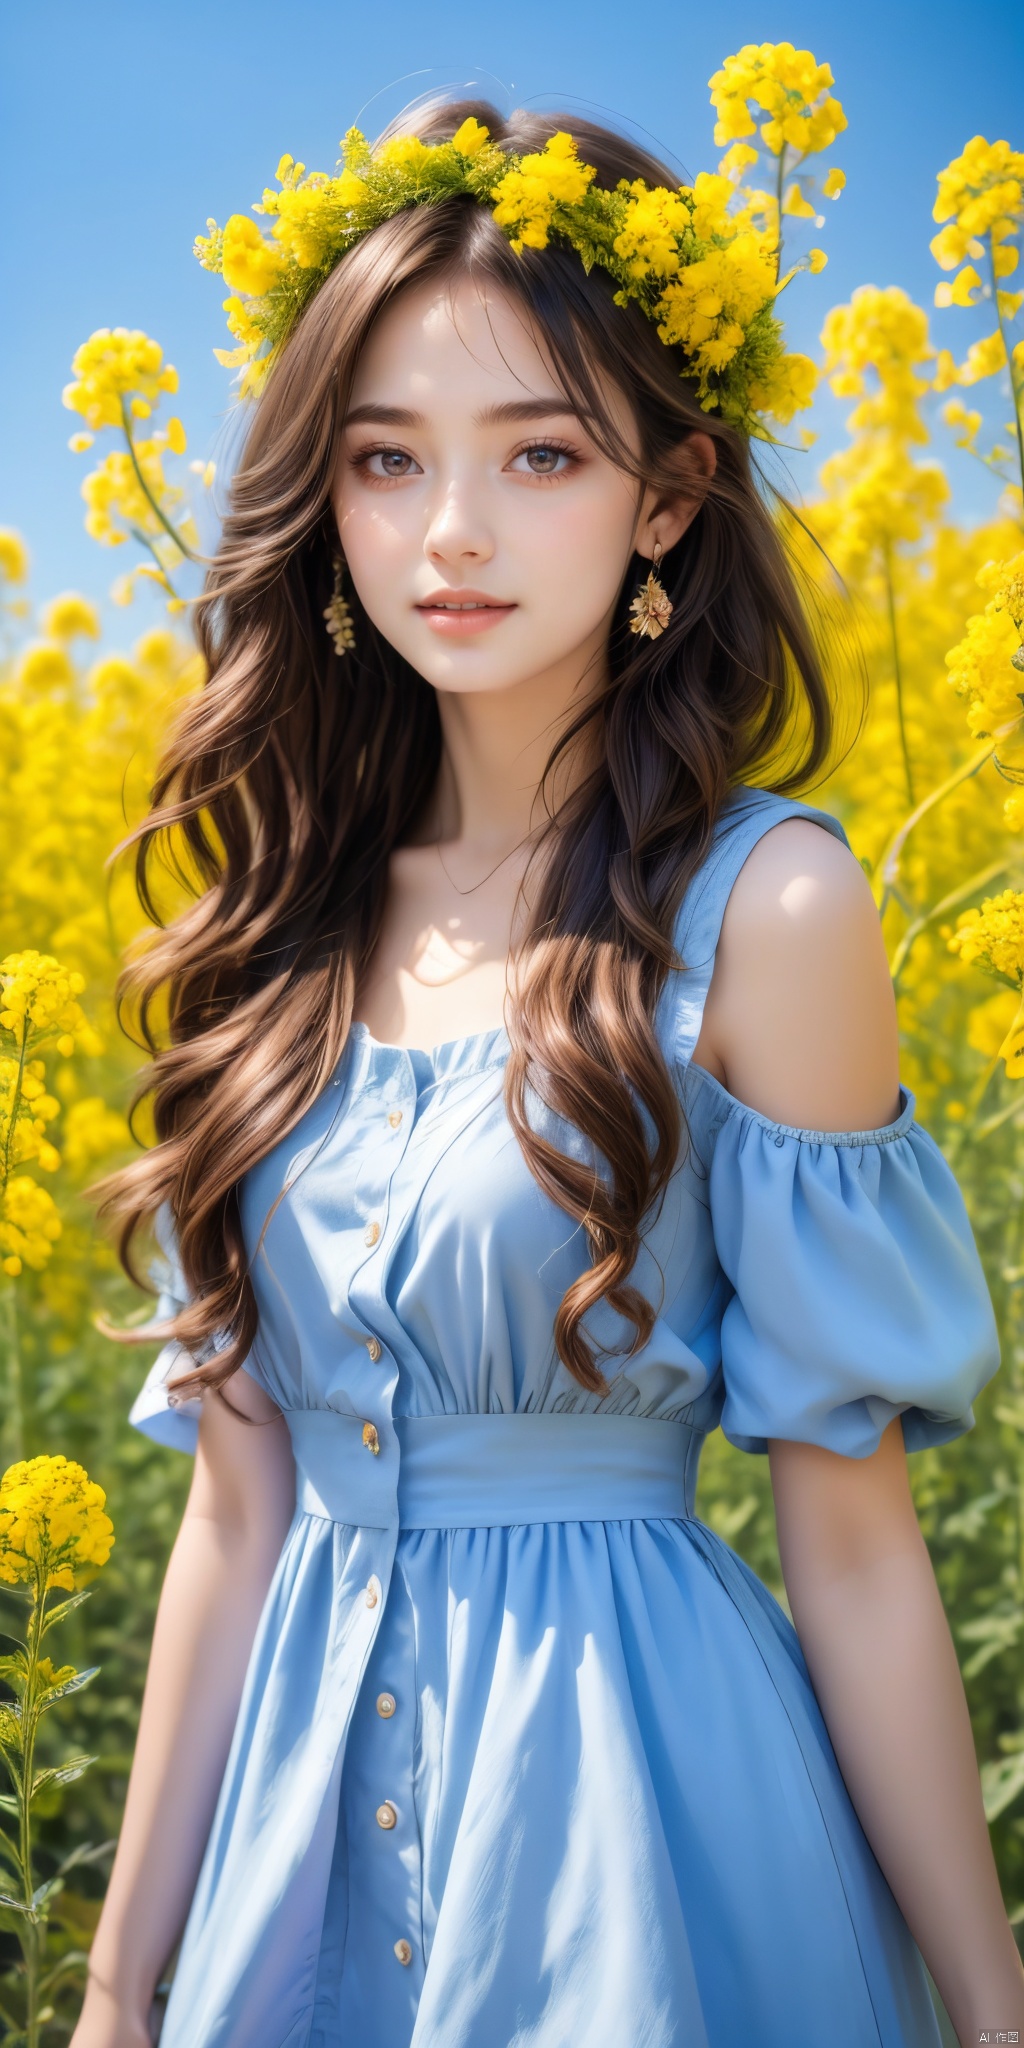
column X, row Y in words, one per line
column 495, row 747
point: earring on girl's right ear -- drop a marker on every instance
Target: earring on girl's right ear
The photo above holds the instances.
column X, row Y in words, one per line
column 338, row 615
column 652, row 606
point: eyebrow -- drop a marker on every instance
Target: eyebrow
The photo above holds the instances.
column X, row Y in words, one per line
column 511, row 414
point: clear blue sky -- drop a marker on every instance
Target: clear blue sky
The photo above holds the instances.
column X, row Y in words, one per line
column 125, row 128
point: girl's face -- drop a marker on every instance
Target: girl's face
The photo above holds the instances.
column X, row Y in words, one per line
column 486, row 535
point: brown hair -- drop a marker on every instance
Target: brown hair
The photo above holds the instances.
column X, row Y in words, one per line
column 291, row 780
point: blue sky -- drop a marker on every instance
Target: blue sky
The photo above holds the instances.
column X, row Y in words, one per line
column 123, row 132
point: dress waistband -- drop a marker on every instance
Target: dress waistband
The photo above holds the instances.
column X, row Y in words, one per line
column 493, row 1471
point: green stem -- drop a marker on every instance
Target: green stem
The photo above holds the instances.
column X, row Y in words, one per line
column 145, row 542
column 897, row 669
column 147, row 493
column 888, row 867
column 29, row 1721
column 950, row 902
column 779, row 180
column 1016, row 386
column 5, row 1169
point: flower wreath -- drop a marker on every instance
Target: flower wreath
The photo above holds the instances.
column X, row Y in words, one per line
column 696, row 264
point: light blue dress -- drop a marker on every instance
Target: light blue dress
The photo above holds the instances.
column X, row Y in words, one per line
column 526, row 1754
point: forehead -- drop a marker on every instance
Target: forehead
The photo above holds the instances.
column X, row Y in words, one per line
column 455, row 338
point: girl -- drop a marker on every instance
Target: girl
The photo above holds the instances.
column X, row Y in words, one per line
column 530, row 1109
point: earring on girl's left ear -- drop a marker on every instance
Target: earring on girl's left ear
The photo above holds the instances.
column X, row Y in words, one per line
column 652, row 606
column 338, row 615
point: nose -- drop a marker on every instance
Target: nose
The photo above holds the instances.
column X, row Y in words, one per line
column 457, row 531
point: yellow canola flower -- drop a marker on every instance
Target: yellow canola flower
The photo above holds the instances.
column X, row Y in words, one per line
column 981, row 665
column 25, row 1110
column 92, row 1131
column 29, row 1226
column 879, row 330
column 13, row 555
column 305, row 223
column 989, row 1022
column 249, row 263
column 980, row 193
column 116, row 502
column 45, row 668
column 785, row 388
column 795, row 204
column 788, row 85
column 964, row 423
column 959, row 292
column 543, row 180
column 707, row 309
column 70, row 615
column 111, row 367
column 835, row 182
column 983, row 359
column 647, row 242
column 53, row 1527
column 39, row 997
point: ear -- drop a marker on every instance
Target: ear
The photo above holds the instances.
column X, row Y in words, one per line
column 664, row 516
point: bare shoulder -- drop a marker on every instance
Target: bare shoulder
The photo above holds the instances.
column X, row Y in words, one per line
column 801, row 1016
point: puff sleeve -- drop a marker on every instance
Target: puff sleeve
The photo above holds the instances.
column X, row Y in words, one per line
column 858, row 1290
column 169, row 1420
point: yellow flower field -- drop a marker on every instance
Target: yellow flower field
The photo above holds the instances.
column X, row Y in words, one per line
column 922, row 620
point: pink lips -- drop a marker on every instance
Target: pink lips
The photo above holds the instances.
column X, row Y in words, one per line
column 485, row 611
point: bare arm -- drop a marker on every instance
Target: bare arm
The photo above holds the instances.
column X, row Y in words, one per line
column 238, row 1511
column 801, row 1024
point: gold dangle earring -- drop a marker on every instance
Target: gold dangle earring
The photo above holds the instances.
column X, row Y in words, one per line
column 652, row 606
column 338, row 615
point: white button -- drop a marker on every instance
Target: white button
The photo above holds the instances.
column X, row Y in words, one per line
column 373, row 1592
column 394, row 1118
column 386, row 1815
column 371, row 1233
column 386, row 1704
column 373, row 1347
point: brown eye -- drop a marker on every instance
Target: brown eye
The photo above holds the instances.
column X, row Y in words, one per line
column 393, row 462
column 544, row 461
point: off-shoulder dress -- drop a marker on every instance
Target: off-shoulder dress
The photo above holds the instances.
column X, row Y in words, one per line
column 526, row 1754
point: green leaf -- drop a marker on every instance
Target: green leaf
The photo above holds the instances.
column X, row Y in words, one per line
column 87, row 1852
column 66, row 1607
column 1001, row 1784
column 13, row 1667
column 63, row 1774
column 995, row 1633
column 75, row 1959
column 10, row 1850
column 75, row 1684
column 13, row 1905
column 45, row 1892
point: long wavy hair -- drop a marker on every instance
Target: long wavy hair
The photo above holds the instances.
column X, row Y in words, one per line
column 290, row 779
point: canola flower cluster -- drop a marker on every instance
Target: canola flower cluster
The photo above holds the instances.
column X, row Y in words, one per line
column 992, row 935
column 986, row 667
column 786, row 84
column 695, row 260
column 877, row 494
column 119, row 377
column 38, row 1006
column 39, row 998
column 981, row 200
column 53, row 1528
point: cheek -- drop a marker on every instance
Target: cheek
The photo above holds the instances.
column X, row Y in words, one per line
column 374, row 537
column 579, row 546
